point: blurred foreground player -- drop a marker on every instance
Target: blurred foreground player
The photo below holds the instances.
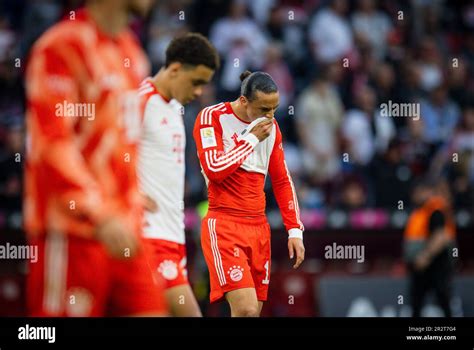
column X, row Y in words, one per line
column 190, row 63
column 238, row 144
column 82, row 205
column 429, row 239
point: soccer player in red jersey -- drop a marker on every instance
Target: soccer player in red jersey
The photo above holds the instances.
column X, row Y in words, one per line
column 82, row 205
column 190, row 63
column 238, row 144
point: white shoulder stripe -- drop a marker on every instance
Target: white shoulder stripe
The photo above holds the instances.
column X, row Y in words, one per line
column 203, row 112
column 142, row 92
column 145, row 85
column 206, row 115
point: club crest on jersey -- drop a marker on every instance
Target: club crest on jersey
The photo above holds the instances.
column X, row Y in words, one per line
column 168, row 269
column 208, row 138
column 236, row 273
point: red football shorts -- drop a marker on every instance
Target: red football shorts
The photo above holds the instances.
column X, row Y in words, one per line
column 168, row 260
column 237, row 253
column 76, row 277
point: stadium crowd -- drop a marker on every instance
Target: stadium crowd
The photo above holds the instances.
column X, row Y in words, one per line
column 337, row 63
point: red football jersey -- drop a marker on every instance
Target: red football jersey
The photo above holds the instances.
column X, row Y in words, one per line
column 235, row 165
column 82, row 127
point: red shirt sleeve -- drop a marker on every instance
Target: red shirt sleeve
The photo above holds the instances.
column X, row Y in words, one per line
column 283, row 187
column 52, row 141
column 216, row 163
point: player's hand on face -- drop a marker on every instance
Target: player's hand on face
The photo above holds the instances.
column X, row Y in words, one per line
column 119, row 241
column 296, row 246
column 263, row 129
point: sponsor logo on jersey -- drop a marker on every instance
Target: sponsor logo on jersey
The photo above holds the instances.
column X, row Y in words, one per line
column 208, row 138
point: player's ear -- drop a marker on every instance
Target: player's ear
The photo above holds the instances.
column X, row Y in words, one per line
column 174, row 68
column 243, row 100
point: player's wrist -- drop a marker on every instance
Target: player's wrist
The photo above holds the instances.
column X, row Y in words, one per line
column 295, row 233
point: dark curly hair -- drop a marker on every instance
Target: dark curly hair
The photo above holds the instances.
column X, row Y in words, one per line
column 192, row 49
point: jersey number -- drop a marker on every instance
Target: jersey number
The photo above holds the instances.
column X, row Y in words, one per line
column 267, row 268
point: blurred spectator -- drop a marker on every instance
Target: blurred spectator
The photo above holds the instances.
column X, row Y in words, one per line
column 241, row 44
column 13, row 11
column 10, row 69
column 468, row 51
column 384, row 83
column 39, row 15
column 11, row 167
column 202, row 14
column 398, row 40
column 330, row 33
column 458, row 81
column 440, row 116
column 361, row 71
column 407, row 52
column 353, row 195
column 261, row 10
column 429, row 62
column 383, row 79
column 366, row 131
column 276, row 66
column 410, row 84
column 434, row 18
column 7, row 38
column 458, row 158
column 391, row 177
column 416, row 151
column 371, row 26
column 319, row 114
column 293, row 159
column 289, row 32
column 165, row 24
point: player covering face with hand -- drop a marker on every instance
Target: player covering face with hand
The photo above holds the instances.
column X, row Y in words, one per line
column 190, row 64
column 238, row 144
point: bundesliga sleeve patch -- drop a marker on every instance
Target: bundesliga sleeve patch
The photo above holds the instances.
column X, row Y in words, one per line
column 208, row 139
